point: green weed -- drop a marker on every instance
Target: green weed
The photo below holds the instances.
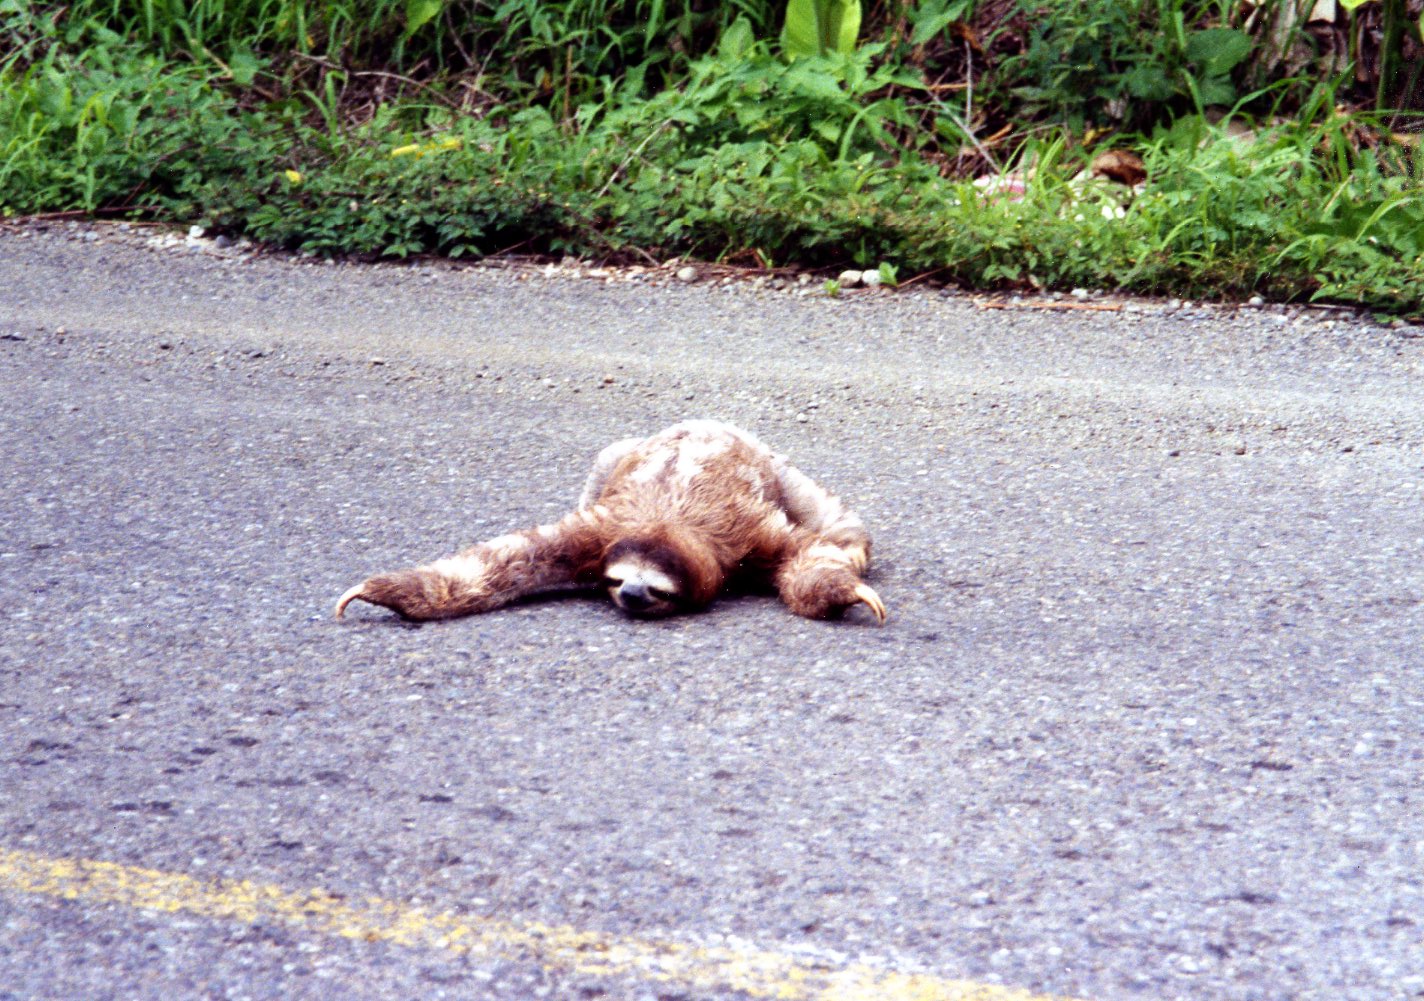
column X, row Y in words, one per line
column 636, row 128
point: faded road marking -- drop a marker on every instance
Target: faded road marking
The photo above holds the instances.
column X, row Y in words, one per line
column 760, row 973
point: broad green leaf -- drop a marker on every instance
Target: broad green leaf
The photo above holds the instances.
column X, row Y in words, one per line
column 244, row 66
column 1148, row 83
column 801, row 34
column 844, row 25
column 933, row 17
column 420, row 12
column 813, row 80
column 1217, row 50
column 1217, row 90
column 816, row 27
column 736, row 40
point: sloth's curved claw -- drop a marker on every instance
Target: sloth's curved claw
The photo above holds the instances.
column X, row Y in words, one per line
column 866, row 593
column 356, row 592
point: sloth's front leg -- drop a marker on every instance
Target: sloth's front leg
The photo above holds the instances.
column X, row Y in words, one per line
column 492, row 574
column 820, row 579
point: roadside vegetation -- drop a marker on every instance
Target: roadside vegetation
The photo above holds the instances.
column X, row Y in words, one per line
column 1201, row 149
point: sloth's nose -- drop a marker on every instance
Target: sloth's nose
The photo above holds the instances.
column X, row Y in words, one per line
column 634, row 597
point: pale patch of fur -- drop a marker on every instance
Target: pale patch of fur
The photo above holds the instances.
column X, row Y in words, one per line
column 693, row 457
column 653, row 467
column 465, row 566
column 508, row 545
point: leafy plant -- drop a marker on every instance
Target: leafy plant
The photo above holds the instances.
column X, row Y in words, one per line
column 98, row 130
column 1124, row 59
column 820, row 27
column 623, row 128
column 932, row 17
column 744, row 94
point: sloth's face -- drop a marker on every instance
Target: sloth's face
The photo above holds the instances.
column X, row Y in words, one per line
column 641, row 584
column 641, row 590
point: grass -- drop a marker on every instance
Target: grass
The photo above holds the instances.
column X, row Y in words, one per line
column 625, row 130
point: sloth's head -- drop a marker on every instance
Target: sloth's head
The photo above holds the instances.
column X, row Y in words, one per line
column 660, row 575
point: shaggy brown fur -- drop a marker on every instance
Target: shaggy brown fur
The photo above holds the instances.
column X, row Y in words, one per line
column 663, row 521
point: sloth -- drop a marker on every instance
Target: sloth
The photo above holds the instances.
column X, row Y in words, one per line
column 664, row 525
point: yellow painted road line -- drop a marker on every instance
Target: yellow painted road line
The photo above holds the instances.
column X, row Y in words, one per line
column 757, row 972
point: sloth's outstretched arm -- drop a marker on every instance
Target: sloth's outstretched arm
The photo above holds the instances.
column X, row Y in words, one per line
column 491, row 574
column 824, row 554
column 819, row 574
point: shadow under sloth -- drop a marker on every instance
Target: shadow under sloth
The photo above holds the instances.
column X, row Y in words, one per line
column 663, row 524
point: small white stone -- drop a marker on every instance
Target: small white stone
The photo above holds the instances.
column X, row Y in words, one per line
column 871, row 279
column 1079, row 293
column 687, row 274
column 195, row 232
column 849, row 279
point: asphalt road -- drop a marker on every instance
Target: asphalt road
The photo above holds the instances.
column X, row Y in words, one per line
column 1145, row 721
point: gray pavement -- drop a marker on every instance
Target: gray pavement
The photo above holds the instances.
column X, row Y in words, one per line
column 1145, row 721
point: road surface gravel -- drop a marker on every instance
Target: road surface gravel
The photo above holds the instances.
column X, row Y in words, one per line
column 1145, row 721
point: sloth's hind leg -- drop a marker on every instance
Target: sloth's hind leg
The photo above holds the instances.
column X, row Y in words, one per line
column 821, row 513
